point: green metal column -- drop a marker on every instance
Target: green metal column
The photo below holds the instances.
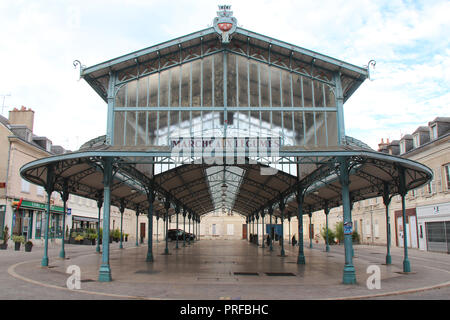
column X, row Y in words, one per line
column 166, row 218
column 177, row 211
column 105, row 270
column 327, row 211
column 386, row 201
column 289, row 225
column 64, row 197
column 184, row 227
column 271, row 228
column 49, row 188
column 301, row 253
column 310, row 233
column 282, row 207
column 151, row 199
column 137, row 222
column 257, row 229
column 402, row 189
column 99, row 206
column 262, row 216
column 189, row 222
column 349, row 276
column 122, row 210
column 157, row 226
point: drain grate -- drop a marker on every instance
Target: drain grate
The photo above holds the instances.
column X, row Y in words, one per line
column 280, row 274
column 246, row 273
column 147, row 271
column 87, row 280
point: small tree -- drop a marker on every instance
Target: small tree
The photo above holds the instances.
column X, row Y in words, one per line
column 5, row 235
column 340, row 231
column 331, row 235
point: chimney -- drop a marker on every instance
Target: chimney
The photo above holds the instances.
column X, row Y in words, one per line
column 382, row 146
column 24, row 117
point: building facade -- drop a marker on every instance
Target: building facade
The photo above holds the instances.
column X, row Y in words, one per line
column 427, row 207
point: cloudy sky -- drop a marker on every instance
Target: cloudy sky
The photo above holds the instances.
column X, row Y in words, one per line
column 408, row 39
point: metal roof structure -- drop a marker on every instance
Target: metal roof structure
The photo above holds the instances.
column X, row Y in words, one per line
column 279, row 107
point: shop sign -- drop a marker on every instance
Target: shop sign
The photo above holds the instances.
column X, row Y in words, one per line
column 348, row 227
column 38, row 206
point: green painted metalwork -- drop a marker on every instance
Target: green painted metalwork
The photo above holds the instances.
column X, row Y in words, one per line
column 64, row 197
column 301, row 253
column 105, row 270
column 327, row 211
column 150, row 197
column 386, row 200
column 49, row 188
column 99, row 206
column 349, row 276
column 403, row 191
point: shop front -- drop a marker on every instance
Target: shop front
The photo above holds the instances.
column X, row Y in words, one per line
column 434, row 227
column 28, row 220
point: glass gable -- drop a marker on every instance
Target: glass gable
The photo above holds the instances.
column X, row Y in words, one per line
column 225, row 94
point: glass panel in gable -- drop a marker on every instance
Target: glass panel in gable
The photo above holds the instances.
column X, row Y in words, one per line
column 286, row 89
column 175, row 87
column 275, row 86
column 254, row 91
column 307, row 92
column 151, row 118
column 243, row 81
column 131, row 93
column 196, row 85
column 321, row 129
column 119, row 118
column 141, row 129
column 142, row 92
column 299, row 128
column 218, row 80
column 318, row 94
column 264, row 84
column 164, row 89
column 231, row 80
column 332, row 128
column 310, row 137
column 185, row 84
column 153, row 90
column 297, row 90
column 130, row 128
column 207, row 81
column 120, row 97
column 330, row 98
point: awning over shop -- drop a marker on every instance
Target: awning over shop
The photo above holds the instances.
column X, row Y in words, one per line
column 87, row 219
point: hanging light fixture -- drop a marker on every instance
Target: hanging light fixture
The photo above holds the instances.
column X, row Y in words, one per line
column 224, row 187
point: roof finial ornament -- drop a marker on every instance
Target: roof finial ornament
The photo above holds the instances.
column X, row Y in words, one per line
column 371, row 63
column 225, row 24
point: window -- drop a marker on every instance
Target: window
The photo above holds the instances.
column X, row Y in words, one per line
column 40, row 191
column 402, row 146
column 447, row 175
column 230, row 229
column 416, row 140
column 37, row 233
column 434, row 132
column 25, row 186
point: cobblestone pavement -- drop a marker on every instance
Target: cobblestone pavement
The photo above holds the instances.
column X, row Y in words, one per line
column 223, row 269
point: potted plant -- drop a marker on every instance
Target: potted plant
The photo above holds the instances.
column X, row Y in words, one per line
column 92, row 237
column 4, row 245
column 28, row 246
column 17, row 241
column 79, row 239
